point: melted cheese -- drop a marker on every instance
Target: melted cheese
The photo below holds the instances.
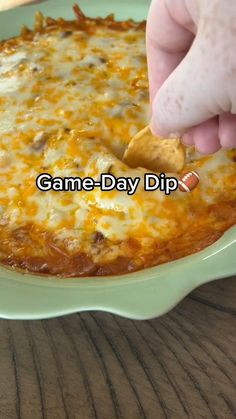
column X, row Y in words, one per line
column 68, row 107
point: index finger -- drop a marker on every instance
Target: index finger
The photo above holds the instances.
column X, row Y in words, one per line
column 169, row 37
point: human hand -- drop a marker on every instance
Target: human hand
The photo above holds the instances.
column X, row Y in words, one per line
column 192, row 71
column 10, row 4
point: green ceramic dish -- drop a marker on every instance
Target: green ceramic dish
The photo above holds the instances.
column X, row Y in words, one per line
column 140, row 295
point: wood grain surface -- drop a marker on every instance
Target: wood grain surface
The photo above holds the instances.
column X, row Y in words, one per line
column 96, row 365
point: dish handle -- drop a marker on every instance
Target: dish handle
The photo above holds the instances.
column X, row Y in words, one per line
column 220, row 259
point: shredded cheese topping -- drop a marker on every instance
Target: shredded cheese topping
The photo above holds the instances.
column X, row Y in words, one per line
column 72, row 94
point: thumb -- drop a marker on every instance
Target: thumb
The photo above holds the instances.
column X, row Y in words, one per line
column 188, row 96
column 10, row 4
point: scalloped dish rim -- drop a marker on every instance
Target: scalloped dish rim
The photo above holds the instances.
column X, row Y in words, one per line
column 140, row 295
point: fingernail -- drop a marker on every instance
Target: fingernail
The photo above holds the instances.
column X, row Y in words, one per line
column 187, row 139
column 156, row 130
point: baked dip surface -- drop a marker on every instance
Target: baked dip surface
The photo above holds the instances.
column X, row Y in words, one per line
column 72, row 94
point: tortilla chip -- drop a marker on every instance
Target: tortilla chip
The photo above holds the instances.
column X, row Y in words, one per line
column 152, row 153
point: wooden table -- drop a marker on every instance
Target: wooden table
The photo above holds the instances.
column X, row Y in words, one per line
column 95, row 365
